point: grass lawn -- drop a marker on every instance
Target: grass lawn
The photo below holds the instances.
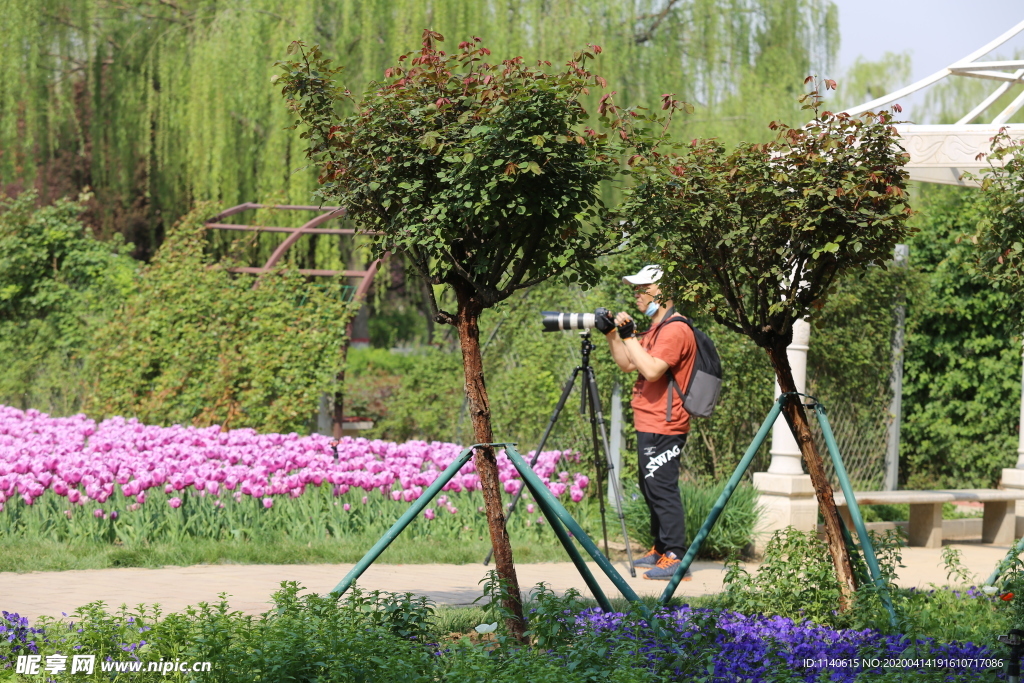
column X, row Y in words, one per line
column 26, row 556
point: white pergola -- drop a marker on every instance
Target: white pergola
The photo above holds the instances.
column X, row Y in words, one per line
column 941, row 153
column 938, row 154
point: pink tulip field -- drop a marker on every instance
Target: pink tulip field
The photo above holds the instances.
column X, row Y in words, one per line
column 71, row 478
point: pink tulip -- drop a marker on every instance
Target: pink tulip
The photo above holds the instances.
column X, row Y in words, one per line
column 346, row 507
column 174, row 502
column 97, row 513
column 268, row 503
column 429, row 513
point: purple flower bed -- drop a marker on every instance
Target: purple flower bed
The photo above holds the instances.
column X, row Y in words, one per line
column 82, row 460
column 19, row 636
column 755, row 648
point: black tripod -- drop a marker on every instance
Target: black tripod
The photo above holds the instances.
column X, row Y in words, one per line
column 589, row 397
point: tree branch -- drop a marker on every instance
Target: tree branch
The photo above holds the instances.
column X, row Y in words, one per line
column 648, row 34
column 467, row 276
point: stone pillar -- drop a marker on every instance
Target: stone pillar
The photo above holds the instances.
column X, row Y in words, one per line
column 1013, row 477
column 786, row 495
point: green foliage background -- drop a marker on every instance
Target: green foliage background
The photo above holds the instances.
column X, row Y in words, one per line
column 56, row 284
column 963, row 356
column 195, row 344
column 179, row 341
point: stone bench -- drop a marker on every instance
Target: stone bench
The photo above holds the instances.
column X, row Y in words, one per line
column 998, row 524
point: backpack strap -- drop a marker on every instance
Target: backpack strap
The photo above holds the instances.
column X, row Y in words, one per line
column 673, row 387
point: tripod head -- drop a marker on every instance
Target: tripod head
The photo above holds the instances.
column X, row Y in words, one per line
column 586, row 346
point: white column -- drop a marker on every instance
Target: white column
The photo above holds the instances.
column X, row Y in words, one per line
column 1020, row 425
column 785, row 451
column 785, row 493
column 892, row 443
column 1013, row 477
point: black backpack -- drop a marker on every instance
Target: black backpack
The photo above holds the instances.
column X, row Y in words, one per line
column 704, row 384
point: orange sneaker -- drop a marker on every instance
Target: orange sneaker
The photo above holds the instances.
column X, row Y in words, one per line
column 648, row 560
column 665, row 569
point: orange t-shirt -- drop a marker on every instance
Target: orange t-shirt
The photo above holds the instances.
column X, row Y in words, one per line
column 674, row 344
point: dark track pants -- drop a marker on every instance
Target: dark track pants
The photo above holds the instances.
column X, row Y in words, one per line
column 659, row 482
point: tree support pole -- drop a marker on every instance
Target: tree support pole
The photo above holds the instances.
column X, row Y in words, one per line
column 561, row 522
column 541, row 492
column 723, row 499
column 398, row 527
column 796, row 417
column 851, row 503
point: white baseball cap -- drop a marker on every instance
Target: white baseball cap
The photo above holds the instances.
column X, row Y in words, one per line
column 648, row 275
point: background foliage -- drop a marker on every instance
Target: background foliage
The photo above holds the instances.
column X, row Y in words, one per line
column 179, row 341
column 57, row 284
column 196, row 345
column 963, row 356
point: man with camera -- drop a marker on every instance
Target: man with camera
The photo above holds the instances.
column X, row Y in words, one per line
column 664, row 352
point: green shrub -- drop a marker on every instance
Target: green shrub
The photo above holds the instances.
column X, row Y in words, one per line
column 795, row 580
column 732, row 533
column 961, row 387
column 195, row 344
column 58, row 284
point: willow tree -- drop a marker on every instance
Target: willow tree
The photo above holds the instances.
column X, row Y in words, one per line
column 484, row 175
column 758, row 235
column 157, row 104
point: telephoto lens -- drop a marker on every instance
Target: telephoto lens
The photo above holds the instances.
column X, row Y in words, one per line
column 556, row 322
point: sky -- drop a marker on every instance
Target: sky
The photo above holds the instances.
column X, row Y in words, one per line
column 935, row 32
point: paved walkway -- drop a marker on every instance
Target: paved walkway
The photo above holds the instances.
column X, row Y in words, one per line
column 249, row 586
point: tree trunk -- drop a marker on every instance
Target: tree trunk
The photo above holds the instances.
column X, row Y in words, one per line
column 486, row 463
column 797, row 418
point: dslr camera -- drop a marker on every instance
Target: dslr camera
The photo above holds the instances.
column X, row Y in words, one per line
column 601, row 319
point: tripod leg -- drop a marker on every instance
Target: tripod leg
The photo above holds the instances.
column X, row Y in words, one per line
column 588, row 394
column 595, row 400
column 543, row 440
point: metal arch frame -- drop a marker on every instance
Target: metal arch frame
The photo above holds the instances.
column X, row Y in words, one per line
column 310, row 227
column 941, row 153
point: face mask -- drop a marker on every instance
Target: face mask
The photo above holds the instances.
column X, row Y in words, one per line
column 652, row 308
